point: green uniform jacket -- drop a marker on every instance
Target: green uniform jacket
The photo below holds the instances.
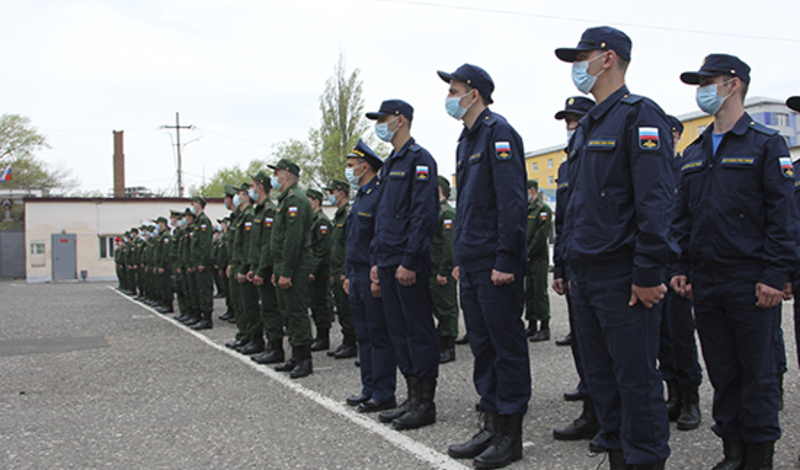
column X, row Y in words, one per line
column 263, row 219
column 241, row 242
column 163, row 244
column 232, row 229
column 442, row 243
column 321, row 245
column 290, row 242
column 222, row 253
column 339, row 241
column 202, row 235
column 539, row 219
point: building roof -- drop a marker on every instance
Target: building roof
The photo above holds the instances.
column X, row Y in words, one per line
column 536, row 153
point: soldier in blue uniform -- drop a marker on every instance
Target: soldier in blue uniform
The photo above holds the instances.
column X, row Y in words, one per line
column 677, row 355
column 733, row 216
column 794, row 103
column 586, row 425
column 405, row 221
column 617, row 248
column 375, row 350
column 489, row 264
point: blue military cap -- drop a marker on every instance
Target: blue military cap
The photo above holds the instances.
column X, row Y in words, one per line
column 604, row 38
column 361, row 150
column 393, row 108
column 718, row 64
column 473, row 76
column 675, row 124
column 793, row 102
column 578, row 105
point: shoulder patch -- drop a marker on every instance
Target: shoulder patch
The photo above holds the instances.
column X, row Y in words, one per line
column 422, row 172
column 323, row 229
column 292, row 212
column 267, row 221
column 649, row 139
column 447, row 224
column 502, row 150
column 787, row 169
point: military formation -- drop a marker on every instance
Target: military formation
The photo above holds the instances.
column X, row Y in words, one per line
column 650, row 248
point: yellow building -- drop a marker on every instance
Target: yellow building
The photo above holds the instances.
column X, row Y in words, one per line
column 542, row 166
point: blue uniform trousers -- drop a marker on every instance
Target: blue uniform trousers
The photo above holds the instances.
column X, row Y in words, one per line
column 619, row 347
column 576, row 354
column 409, row 316
column 797, row 320
column 678, row 353
column 375, row 350
column 738, row 341
column 493, row 316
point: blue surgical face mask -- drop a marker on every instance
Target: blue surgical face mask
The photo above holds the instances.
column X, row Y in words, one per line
column 383, row 132
column 253, row 195
column 236, row 200
column 350, row 174
column 708, row 100
column 274, row 181
column 332, row 200
column 156, row 230
column 570, row 133
column 193, row 210
column 453, row 106
column 580, row 75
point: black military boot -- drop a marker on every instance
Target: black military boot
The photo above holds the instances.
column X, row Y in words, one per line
column 349, row 348
column 448, row 353
column 674, row 399
column 595, row 447
column 759, row 456
column 412, row 385
column 616, row 460
column 304, row 366
column 544, row 332
column 531, row 329
column 734, row 455
column 194, row 317
column 585, row 427
column 423, row 413
column 690, row 410
column 462, row 340
column 289, row 365
column 479, row 442
column 506, row 445
column 227, row 315
column 166, row 308
column 322, row 342
column 255, row 346
column 205, row 322
column 273, row 354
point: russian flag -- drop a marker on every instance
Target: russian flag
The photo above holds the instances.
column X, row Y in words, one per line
column 6, row 174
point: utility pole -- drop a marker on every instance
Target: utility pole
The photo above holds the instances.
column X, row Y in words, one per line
column 178, row 128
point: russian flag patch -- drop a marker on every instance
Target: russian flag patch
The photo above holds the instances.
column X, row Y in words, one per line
column 502, row 150
column 786, row 167
column 648, row 138
column 292, row 212
column 422, row 172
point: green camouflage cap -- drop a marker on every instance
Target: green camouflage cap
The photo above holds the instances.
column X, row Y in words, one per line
column 174, row 213
column 230, row 190
column 533, row 184
column 311, row 192
column 263, row 178
column 188, row 212
column 286, row 164
column 200, row 200
column 445, row 185
column 340, row 185
column 161, row 219
column 244, row 186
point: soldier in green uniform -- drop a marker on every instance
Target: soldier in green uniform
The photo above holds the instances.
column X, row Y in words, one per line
column 443, row 285
column 260, row 273
column 221, row 262
column 180, row 240
column 537, row 301
column 319, row 278
column 163, row 266
column 290, row 246
column 172, row 252
column 217, row 248
column 118, row 266
column 232, row 202
column 339, row 193
column 192, row 316
column 146, row 262
column 248, row 317
column 130, row 273
column 200, row 266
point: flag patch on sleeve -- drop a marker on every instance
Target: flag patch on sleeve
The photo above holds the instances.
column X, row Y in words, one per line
column 786, row 167
column 502, row 150
column 422, row 172
column 268, row 221
column 292, row 212
column 447, row 224
column 323, row 229
column 648, row 138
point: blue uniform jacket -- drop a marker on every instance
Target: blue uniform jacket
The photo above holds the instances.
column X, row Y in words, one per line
column 559, row 268
column 361, row 228
column 621, row 186
column 796, row 218
column 733, row 210
column 492, row 202
column 407, row 210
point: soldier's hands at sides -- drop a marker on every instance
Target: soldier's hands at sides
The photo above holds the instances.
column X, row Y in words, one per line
column 767, row 296
column 405, row 277
column 312, row 277
column 680, row 284
column 284, row 282
column 228, row 271
column 241, row 278
column 373, row 275
column 250, row 275
column 456, row 274
column 258, row 280
column 788, row 291
column 341, row 279
column 160, row 270
column 190, row 270
column 649, row 296
column 501, row 278
column 178, row 270
column 559, row 286
column 201, row 268
column 375, row 289
column 441, row 280
column 272, row 279
column 346, row 286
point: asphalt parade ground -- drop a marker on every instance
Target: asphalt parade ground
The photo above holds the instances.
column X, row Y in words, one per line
column 91, row 379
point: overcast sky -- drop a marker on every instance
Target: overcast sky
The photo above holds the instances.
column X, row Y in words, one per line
column 249, row 74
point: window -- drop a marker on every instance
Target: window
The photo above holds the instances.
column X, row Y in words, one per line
column 37, row 248
column 534, row 166
column 549, row 163
column 550, row 180
column 781, row 119
column 107, row 247
column 37, row 254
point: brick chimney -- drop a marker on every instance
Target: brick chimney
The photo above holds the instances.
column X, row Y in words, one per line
column 119, row 166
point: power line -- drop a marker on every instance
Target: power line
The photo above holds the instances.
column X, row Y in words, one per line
column 582, row 20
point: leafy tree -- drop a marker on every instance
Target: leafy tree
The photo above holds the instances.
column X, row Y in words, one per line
column 18, row 138
column 234, row 175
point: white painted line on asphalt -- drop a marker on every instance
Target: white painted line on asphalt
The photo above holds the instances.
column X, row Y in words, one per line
column 421, row 451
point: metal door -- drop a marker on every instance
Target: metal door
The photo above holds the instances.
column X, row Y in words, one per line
column 64, row 257
column 12, row 255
